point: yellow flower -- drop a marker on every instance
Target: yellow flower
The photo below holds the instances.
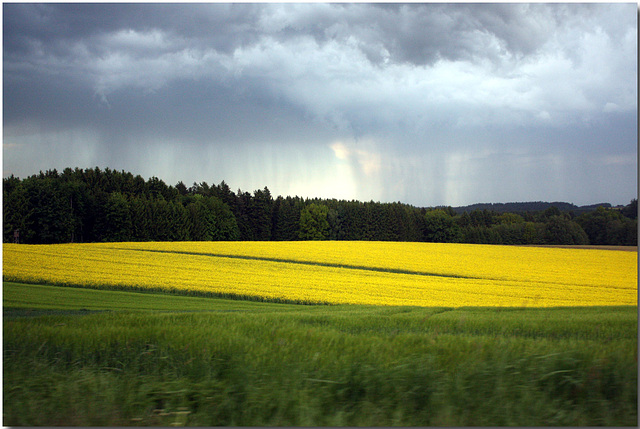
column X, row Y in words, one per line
column 379, row 273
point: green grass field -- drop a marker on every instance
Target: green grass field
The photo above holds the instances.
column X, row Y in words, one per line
column 27, row 296
column 88, row 357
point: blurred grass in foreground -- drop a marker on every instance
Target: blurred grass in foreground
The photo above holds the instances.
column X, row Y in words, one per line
column 235, row 363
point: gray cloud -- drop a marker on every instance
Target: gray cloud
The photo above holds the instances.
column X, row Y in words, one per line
column 373, row 101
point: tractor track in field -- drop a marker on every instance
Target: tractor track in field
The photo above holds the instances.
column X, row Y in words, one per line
column 320, row 264
column 344, row 266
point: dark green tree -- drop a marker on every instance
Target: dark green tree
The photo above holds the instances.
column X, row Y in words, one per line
column 200, row 220
column 631, row 209
column 209, row 219
column 440, row 227
column 182, row 188
column 117, row 217
column 243, row 212
column 313, row 222
column 595, row 224
column 531, row 234
column 286, row 218
column 622, row 232
column 225, row 194
column 48, row 212
column 260, row 214
column 225, row 226
column 560, row 230
column 141, row 228
column 15, row 211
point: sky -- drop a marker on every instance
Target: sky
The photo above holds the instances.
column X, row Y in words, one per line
column 426, row 104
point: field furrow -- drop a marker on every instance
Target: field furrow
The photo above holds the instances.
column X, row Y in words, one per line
column 548, row 265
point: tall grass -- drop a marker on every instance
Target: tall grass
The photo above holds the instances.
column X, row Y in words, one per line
column 46, row 297
column 327, row 366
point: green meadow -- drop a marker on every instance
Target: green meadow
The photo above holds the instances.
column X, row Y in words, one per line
column 93, row 357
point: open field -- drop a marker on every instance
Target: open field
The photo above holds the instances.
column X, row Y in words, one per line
column 42, row 297
column 371, row 273
column 417, row 334
column 254, row 363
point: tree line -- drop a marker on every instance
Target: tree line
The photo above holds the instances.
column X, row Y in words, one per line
column 530, row 206
column 94, row 205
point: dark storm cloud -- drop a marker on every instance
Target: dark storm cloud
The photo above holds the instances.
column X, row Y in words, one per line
column 224, row 26
column 420, row 34
column 386, row 101
column 423, row 34
column 53, row 55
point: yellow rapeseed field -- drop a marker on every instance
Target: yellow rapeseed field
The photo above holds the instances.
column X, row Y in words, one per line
column 379, row 273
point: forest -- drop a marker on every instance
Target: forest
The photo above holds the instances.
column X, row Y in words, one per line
column 94, row 205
